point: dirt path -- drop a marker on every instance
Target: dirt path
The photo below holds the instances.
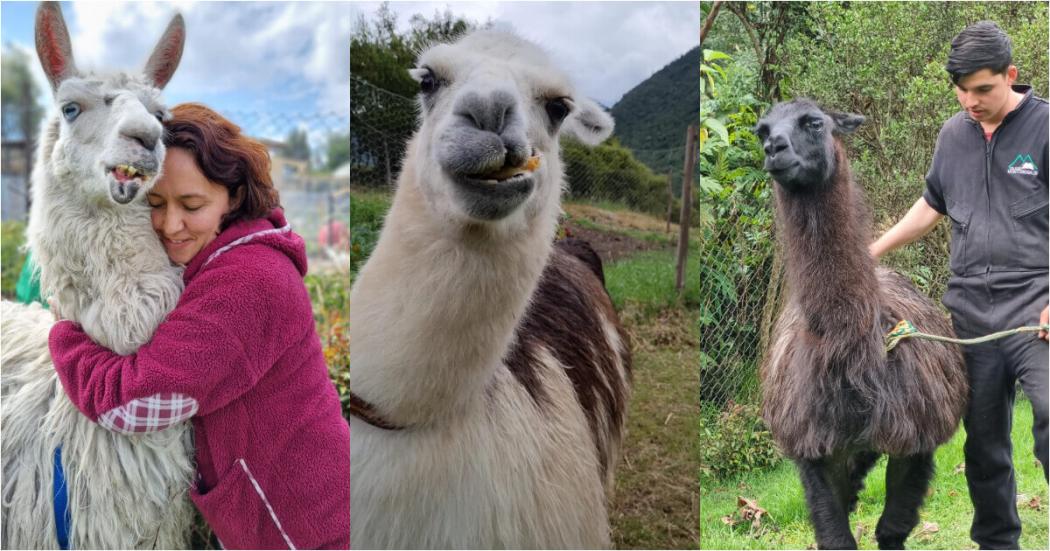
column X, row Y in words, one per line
column 610, row 246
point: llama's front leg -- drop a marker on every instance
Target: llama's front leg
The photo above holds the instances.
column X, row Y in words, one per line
column 858, row 465
column 906, row 481
column 824, row 498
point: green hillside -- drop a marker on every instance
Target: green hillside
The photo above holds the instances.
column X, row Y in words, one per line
column 651, row 118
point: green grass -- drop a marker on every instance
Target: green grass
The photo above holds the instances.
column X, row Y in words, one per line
column 656, row 501
column 649, row 278
column 947, row 506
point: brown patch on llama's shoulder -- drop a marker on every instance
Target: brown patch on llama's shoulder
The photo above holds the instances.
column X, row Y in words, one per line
column 565, row 317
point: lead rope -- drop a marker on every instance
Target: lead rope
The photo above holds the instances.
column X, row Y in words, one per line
column 905, row 330
column 60, row 499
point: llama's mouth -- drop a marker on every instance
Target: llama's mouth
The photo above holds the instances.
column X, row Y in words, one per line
column 780, row 170
column 506, row 174
column 126, row 181
column 492, row 199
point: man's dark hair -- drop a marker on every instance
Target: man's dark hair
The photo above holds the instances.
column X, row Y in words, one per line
column 982, row 45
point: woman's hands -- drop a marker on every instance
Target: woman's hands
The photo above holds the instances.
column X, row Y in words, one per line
column 52, row 304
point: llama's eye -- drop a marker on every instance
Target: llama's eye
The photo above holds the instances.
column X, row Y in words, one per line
column 428, row 84
column 815, row 124
column 159, row 115
column 71, row 111
column 557, row 109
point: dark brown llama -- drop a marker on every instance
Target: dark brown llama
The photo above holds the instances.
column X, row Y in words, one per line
column 833, row 399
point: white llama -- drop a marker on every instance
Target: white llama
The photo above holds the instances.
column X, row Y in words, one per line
column 493, row 359
column 100, row 151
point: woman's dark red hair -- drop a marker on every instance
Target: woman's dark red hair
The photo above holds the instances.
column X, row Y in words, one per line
column 226, row 157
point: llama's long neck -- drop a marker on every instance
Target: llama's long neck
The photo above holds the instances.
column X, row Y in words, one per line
column 831, row 275
column 434, row 310
column 102, row 263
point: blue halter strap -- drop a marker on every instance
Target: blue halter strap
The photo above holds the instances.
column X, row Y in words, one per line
column 60, row 498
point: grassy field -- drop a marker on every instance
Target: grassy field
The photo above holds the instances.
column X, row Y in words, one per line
column 657, row 498
column 945, row 519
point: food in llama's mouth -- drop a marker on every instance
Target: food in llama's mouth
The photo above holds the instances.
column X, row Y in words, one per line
column 126, row 173
column 502, row 175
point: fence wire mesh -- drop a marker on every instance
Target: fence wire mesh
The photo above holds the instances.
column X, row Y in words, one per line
column 313, row 192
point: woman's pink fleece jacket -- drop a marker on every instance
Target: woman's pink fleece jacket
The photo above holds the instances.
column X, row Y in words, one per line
column 272, row 448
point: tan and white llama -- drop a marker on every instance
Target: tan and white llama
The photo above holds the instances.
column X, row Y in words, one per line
column 489, row 370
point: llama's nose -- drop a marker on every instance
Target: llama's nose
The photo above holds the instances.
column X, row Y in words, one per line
column 489, row 112
column 775, row 144
column 145, row 136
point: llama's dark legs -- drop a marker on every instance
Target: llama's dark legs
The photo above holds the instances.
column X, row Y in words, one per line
column 906, row 481
column 859, row 465
column 824, row 482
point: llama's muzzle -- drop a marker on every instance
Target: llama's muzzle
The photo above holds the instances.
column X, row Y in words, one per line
column 530, row 165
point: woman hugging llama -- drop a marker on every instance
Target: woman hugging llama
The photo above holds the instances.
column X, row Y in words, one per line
column 239, row 355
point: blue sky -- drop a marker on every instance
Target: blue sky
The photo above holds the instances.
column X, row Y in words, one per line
column 270, row 67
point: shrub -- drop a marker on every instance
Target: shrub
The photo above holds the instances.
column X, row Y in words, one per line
column 11, row 256
column 737, row 442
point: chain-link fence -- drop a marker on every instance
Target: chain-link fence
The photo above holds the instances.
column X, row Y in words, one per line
column 740, row 286
column 312, row 179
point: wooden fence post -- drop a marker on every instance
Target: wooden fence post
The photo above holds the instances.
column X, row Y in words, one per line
column 687, row 204
column 670, row 203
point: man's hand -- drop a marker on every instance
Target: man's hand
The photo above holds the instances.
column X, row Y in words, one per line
column 919, row 220
column 1044, row 319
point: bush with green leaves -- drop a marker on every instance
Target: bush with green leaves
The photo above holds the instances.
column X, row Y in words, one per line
column 610, row 172
column 736, row 231
column 12, row 256
column 736, row 442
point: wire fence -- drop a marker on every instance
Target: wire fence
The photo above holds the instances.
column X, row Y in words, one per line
column 382, row 122
column 313, row 192
column 740, row 289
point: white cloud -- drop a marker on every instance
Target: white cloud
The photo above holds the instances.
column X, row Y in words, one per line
column 609, row 47
column 269, row 51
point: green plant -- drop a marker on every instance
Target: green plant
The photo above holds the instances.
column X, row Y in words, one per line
column 11, row 256
column 737, row 442
column 330, row 297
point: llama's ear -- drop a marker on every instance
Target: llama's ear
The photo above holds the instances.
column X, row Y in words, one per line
column 846, row 123
column 589, row 123
column 52, row 44
column 166, row 55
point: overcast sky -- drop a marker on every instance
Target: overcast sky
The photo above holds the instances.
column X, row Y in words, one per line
column 269, row 66
column 273, row 66
column 608, row 47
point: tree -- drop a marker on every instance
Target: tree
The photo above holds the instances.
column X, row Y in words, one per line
column 382, row 105
column 298, row 145
column 21, row 114
column 338, row 150
column 768, row 25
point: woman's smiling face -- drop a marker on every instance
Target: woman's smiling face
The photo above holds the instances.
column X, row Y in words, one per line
column 186, row 207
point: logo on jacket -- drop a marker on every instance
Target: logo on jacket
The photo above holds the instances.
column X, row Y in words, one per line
column 1023, row 164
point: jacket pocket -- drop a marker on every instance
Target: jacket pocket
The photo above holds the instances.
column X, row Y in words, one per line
column 239, row 512
column 960, row 215
column 1029, row 217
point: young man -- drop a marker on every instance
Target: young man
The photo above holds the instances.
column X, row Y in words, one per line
column 989, row 175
